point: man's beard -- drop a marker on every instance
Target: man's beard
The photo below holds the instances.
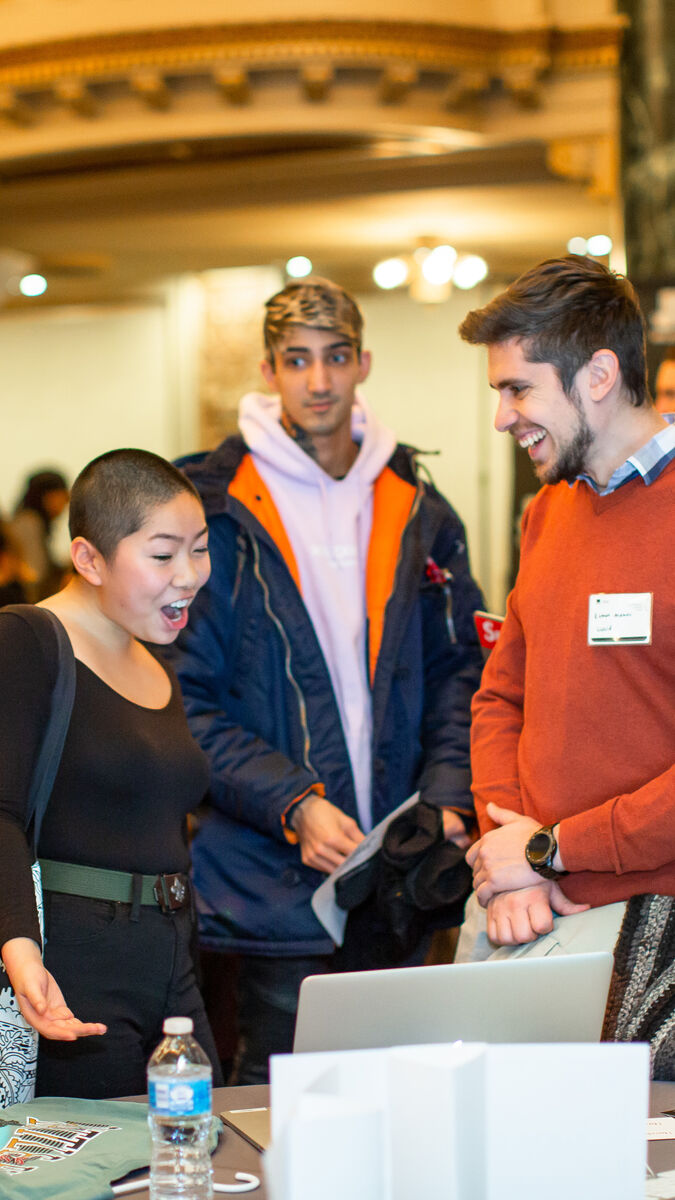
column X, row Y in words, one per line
column 572, row 456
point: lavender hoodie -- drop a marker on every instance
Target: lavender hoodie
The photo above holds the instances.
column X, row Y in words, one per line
column 328, row 523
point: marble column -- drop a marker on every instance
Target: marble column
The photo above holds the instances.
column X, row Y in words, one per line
column 231, row 348
column 648, row 138
column 648, row 161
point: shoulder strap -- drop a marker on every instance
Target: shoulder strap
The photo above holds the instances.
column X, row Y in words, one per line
column 63, row 695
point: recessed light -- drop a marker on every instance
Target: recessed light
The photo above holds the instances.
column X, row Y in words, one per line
column 32, row 285
column 599, row 245
column 299, row 266
column 577, row 245
column 470, row 270
column 390, row 273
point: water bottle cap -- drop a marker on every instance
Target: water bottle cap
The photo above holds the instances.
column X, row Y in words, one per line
column 176, row 1025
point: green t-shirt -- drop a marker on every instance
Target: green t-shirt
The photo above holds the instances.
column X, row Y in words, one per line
column 62, row 1149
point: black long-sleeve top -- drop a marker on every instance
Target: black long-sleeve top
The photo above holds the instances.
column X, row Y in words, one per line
column 127, row 779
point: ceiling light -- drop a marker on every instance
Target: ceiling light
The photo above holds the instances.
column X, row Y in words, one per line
column 390, row 273
column 299, row 266
column 577, row 245
column 32, row 285
column 424, row 292
column 438, row 265
column 469, row 271
column 430, row 270
column 599, row 245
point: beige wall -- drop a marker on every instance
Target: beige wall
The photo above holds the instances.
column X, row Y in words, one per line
column 432, row 389
column 74, row 383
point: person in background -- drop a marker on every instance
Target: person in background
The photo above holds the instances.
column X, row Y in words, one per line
column 664, row 392
column 329, row 666
column 113, row 845
column 44, row 499
column 573, row 731
column 15, row 576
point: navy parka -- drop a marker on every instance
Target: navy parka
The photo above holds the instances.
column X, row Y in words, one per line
column 260, row 702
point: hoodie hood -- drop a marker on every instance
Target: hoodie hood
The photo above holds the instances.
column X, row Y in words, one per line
column 260, row 424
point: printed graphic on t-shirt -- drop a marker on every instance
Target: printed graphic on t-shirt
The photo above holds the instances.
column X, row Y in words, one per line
column 24, row 1146
column 342, row 555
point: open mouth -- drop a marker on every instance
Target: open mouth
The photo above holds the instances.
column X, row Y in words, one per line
column 176, row 612
column 531, row 439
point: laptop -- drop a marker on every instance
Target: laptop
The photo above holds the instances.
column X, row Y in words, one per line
column 555, row 999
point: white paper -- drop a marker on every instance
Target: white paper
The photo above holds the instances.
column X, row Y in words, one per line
column 623, row 618
column 660, row 1129
column 436, row 1104
column 594, row 1100
column 332, row 917
column 334, row 1148
column 461, row 1120
column 661, row 1187
column 330, row 1072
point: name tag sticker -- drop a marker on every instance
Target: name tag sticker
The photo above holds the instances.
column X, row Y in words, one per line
column 620, row 618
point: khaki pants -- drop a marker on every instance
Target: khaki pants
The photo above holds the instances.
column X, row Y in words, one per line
column 596, row 929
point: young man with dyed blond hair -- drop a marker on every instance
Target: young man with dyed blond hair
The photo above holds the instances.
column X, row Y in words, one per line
column 329, row 672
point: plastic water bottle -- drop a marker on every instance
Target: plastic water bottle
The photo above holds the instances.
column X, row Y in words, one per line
column 179, row 1092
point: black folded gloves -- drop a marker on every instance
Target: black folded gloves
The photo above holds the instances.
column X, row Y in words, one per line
column 420, row 880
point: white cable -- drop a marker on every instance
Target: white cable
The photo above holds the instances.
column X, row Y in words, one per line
column 248, row 1184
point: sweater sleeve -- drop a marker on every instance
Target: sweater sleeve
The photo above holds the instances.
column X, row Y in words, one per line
column 631, row 832
column 24, row 709
column 497, row 721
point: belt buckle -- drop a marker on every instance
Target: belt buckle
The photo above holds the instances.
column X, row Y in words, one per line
column 170, row 892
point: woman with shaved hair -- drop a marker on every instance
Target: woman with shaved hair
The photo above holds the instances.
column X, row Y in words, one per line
column 113, row 847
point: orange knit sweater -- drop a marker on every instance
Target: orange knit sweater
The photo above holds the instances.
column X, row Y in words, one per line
column 580, row 734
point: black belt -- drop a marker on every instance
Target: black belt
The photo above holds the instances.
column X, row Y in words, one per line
column 170, row 892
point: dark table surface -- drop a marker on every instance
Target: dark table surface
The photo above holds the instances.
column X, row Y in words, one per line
column 661, row 1155
column 236, row 1154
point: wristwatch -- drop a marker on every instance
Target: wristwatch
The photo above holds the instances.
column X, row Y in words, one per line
column 540, row 852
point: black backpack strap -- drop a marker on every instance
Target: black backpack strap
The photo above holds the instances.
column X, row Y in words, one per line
column 63, row 696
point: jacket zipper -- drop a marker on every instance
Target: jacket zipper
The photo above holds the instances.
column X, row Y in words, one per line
column 241, row 560
column 302, row 707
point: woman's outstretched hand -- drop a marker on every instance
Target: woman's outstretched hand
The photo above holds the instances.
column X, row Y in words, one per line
column 39, row 996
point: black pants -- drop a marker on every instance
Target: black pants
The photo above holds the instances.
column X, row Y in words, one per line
column 128, row 974
column 268, row 987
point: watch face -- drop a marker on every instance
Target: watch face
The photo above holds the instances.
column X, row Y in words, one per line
column 539, row 847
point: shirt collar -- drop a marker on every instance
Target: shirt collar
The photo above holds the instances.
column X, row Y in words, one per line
column 648, row 462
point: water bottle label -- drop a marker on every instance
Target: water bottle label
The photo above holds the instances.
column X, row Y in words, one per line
column 176, row 1097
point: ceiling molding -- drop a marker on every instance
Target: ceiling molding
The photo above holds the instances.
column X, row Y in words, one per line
column 169, row 151
column 430, row 81
column 282, row 43
column 593, row 161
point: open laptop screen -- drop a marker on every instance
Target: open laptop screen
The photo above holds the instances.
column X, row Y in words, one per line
column 556, row 999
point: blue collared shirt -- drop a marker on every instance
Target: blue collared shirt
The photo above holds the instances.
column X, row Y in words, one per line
column 649, row 461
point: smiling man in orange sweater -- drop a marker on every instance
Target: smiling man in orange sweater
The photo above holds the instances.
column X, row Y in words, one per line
column 573, row 732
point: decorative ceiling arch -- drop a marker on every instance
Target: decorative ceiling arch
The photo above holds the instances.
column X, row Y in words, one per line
column 221, row 131
column 253, row 78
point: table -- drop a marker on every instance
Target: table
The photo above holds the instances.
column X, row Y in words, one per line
column 236, row 1154
column 661, row 1155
